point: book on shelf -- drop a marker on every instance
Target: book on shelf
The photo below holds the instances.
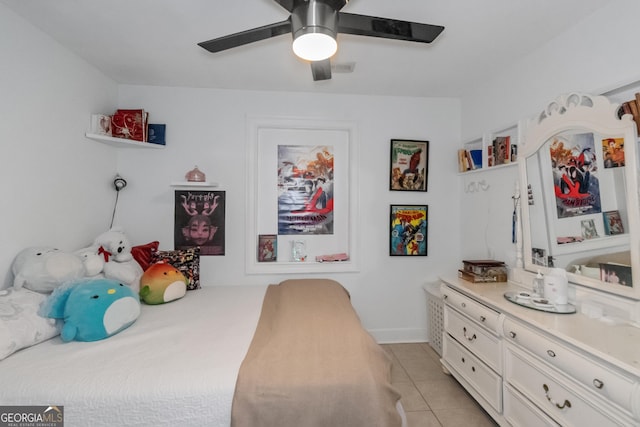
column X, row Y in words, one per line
column 502, row 150
column 632, row 107
column 130, row 124
column 476, row 158
column 156, row 133
column 462, row 160
column 469, row 160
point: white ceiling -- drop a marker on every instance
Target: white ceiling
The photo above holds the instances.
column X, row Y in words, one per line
column 154, row 42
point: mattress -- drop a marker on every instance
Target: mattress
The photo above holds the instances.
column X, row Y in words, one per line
column 176, row 365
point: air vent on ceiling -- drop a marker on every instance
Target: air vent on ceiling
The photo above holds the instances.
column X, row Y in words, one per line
column 343, row 67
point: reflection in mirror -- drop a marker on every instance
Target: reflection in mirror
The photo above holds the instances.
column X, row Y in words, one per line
column 578, row 164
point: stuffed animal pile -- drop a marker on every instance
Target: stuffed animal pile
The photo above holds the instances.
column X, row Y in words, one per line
column 94, row 290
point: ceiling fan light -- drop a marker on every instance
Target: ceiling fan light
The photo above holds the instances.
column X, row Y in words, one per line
column 315, row 46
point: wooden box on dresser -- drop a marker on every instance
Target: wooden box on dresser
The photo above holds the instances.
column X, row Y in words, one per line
column 532, row 368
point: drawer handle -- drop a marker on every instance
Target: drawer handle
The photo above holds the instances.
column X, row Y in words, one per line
column 597, row 383
column 471, row 338
column 463, row 305
column 566, row 403
column 551, row 353
column 512, row 334
column 446, row 296
column 482, row 318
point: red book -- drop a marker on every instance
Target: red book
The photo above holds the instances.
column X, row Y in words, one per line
column 129, row 124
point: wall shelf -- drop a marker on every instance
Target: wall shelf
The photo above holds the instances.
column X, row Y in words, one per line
column 204, row 184
column 121, row 142
column 487, row 169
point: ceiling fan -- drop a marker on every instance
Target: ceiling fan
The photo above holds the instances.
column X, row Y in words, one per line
column 315, row 24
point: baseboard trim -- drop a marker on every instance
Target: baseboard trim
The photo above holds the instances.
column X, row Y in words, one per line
column 392, row 336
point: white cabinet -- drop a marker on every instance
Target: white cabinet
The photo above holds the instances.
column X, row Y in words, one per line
column 530, row 368
column 472, row 348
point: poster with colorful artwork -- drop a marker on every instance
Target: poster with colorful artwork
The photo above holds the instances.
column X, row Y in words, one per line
column 199, row 221
column 409, row 165
column 613, row 152
column 575, row 175
column 305, row 189
column 408, row 231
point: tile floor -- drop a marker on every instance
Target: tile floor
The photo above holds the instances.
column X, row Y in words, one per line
column 430, row 397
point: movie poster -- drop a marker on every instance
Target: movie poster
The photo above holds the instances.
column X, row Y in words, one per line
column 613, row 152
column 408, row 230
column 305, row 190
column 199, row 221
column 575, row 175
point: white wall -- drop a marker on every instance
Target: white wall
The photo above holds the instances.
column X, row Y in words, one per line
column 593, row 56
column 55, row 182
column 207, row 128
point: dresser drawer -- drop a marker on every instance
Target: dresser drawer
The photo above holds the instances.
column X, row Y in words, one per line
column 559, row 398
column 474, row 337
column 478, row 312
column 480, row 376
column 520, row 412
column 599, row 378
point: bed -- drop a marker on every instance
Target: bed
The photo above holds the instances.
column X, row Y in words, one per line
column 220, row 356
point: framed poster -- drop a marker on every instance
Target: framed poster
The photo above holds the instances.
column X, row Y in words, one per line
column 302, row 186
column 612, row 223
column 267, row 248
column 408, row 230
column 575, row 175
column 409, row 167
column 200, row 221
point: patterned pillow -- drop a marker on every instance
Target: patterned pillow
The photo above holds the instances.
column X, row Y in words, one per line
column 143, row 253
column 187, row 261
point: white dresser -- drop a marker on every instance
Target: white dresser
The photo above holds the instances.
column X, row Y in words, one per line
column 532, row 368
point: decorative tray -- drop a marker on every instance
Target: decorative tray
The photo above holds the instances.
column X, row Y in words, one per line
column 534, row 302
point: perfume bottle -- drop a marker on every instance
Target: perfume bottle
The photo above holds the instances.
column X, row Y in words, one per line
column 538, row 285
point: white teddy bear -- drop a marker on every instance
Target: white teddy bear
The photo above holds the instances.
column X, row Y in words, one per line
column 119, row 263
column 92, row 260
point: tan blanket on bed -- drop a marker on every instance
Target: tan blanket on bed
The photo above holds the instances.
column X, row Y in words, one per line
column 312, row 364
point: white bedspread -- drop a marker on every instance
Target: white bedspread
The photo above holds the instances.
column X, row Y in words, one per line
column 177, row 365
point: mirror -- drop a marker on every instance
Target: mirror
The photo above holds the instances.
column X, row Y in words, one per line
column 580, row 212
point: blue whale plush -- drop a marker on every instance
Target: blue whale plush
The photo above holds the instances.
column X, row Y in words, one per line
column 92, row 309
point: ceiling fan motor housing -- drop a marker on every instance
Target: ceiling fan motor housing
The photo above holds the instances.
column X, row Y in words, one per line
column 314, row 17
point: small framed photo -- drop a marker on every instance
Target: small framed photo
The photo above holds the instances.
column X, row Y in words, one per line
column 539, row 256
column 613, row 152
column 267, row 248
column 612, row 223
column 408, row 230
column 409, row 167
column 589, row 229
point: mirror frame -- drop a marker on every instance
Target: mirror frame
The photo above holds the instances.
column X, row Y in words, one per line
column 584, row 113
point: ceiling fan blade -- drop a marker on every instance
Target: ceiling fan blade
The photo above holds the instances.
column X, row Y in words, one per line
column 372, row 26
column 321, row 70
column 246, row 37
